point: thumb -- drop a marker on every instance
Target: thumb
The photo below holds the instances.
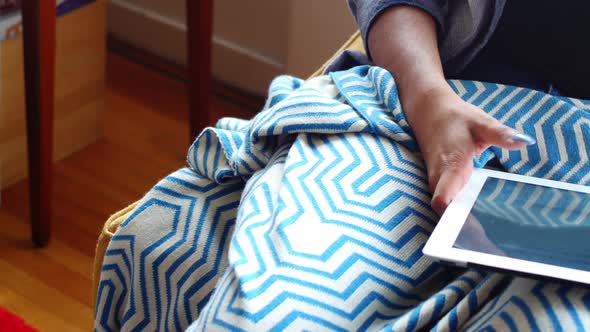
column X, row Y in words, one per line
column 452, row 179
column 492, row 132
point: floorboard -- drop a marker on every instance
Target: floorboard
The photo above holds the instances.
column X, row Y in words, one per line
column 145, row 138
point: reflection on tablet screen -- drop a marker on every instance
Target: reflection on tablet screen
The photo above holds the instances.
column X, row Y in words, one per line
column 530, row 222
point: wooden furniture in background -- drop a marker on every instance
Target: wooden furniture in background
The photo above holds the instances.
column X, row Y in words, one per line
column 79, row 93
column 39, row 50
column 199, row 22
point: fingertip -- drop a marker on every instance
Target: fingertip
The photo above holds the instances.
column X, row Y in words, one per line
column 523, row 138
column 507, row 138
column 498, row 134
column 439, row 204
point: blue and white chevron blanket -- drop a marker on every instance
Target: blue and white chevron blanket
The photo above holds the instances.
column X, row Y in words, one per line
column 313, row 216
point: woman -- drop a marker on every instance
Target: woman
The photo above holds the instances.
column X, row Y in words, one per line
column 511, row 42
column 313, row 215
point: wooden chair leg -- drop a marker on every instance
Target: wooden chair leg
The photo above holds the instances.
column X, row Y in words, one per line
column 39, row 50
column 199, row 18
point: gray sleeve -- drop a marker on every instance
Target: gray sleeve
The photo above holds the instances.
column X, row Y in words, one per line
column 366, row 11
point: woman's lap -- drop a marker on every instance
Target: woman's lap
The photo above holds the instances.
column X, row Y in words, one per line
column 327, row 231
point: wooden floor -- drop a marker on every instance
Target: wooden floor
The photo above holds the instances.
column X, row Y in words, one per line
column 145, row 138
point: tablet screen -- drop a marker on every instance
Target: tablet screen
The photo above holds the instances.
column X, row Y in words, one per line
column 529, row 222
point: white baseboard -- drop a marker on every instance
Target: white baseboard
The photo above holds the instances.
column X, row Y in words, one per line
column 234, row 64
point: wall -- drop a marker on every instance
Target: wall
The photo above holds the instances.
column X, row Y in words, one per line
column 316, row 30
column 253, row 40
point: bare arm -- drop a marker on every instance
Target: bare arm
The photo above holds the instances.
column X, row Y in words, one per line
column 449, row 131
column 403, row 41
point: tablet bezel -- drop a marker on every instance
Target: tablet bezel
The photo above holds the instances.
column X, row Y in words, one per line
column 440, row 244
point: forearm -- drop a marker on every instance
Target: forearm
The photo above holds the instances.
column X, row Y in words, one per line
column 403, row 40
column 449, row 131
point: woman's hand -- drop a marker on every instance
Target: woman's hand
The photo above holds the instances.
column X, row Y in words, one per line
column 450, row 132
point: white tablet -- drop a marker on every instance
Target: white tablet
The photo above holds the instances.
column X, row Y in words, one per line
column 517, row 224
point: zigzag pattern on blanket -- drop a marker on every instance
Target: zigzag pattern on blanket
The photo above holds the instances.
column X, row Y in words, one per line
column 161, row 267
column 321, row 224
column 559, row 124
column 334, row 211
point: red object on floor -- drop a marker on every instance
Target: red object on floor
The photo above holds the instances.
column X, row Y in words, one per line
column 10, row 322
